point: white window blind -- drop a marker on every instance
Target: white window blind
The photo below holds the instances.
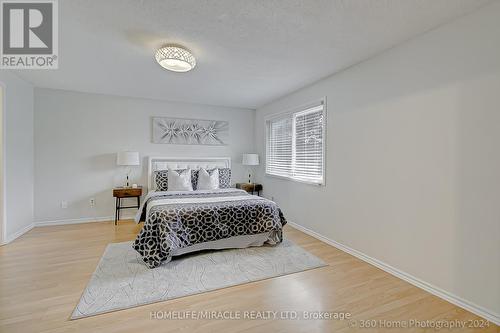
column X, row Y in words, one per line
column 295, row 145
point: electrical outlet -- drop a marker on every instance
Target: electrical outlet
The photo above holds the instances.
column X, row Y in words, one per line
column 92, row 202
column 64, row 204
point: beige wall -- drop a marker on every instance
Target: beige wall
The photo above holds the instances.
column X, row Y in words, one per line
column 413, row 159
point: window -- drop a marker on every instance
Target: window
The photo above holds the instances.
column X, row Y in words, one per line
column 295, row 145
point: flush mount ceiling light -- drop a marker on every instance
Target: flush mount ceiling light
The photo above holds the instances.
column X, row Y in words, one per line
column 175, row 58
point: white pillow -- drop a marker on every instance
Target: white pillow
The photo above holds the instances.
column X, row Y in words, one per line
column 208, row 181
column 179, row 181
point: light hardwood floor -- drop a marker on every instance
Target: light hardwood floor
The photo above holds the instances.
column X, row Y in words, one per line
column 43, row 273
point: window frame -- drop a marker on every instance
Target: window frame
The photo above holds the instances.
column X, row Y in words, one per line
column 293, row 114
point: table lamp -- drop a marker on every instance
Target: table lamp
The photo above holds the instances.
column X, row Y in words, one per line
column 250, row 159
column 127, row 158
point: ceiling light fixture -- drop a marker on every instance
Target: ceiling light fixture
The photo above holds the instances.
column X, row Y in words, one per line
column 175, row 58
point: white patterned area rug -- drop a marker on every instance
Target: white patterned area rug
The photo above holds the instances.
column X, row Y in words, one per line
column 122, row 281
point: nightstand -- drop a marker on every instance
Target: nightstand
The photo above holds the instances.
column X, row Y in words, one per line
column 121, row 192
column 250, row 187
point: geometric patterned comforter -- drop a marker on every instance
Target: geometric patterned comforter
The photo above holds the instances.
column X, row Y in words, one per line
column 174, row 220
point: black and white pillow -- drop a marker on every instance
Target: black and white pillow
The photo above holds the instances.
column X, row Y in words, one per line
column 224, row 178
column 161, row 178
column 194, row 178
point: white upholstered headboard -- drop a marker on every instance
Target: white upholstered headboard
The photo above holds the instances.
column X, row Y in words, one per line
column 163, row 163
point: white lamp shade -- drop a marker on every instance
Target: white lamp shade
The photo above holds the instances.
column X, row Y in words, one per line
column 127, row 158
column 250, row 159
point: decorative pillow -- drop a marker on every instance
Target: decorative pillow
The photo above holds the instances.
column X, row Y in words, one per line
column 179, row 181
column 194, row 178
column 161, row 178
column 208, row 180
column 224, row 178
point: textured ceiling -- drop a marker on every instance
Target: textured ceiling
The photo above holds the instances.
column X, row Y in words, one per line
column 249, row 52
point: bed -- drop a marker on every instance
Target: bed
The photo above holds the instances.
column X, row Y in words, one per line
column 180, row 222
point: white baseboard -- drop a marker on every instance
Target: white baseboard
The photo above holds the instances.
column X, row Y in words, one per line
column 17, row 234
column 81, row 220
column 454, row 299
column 24, row 230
